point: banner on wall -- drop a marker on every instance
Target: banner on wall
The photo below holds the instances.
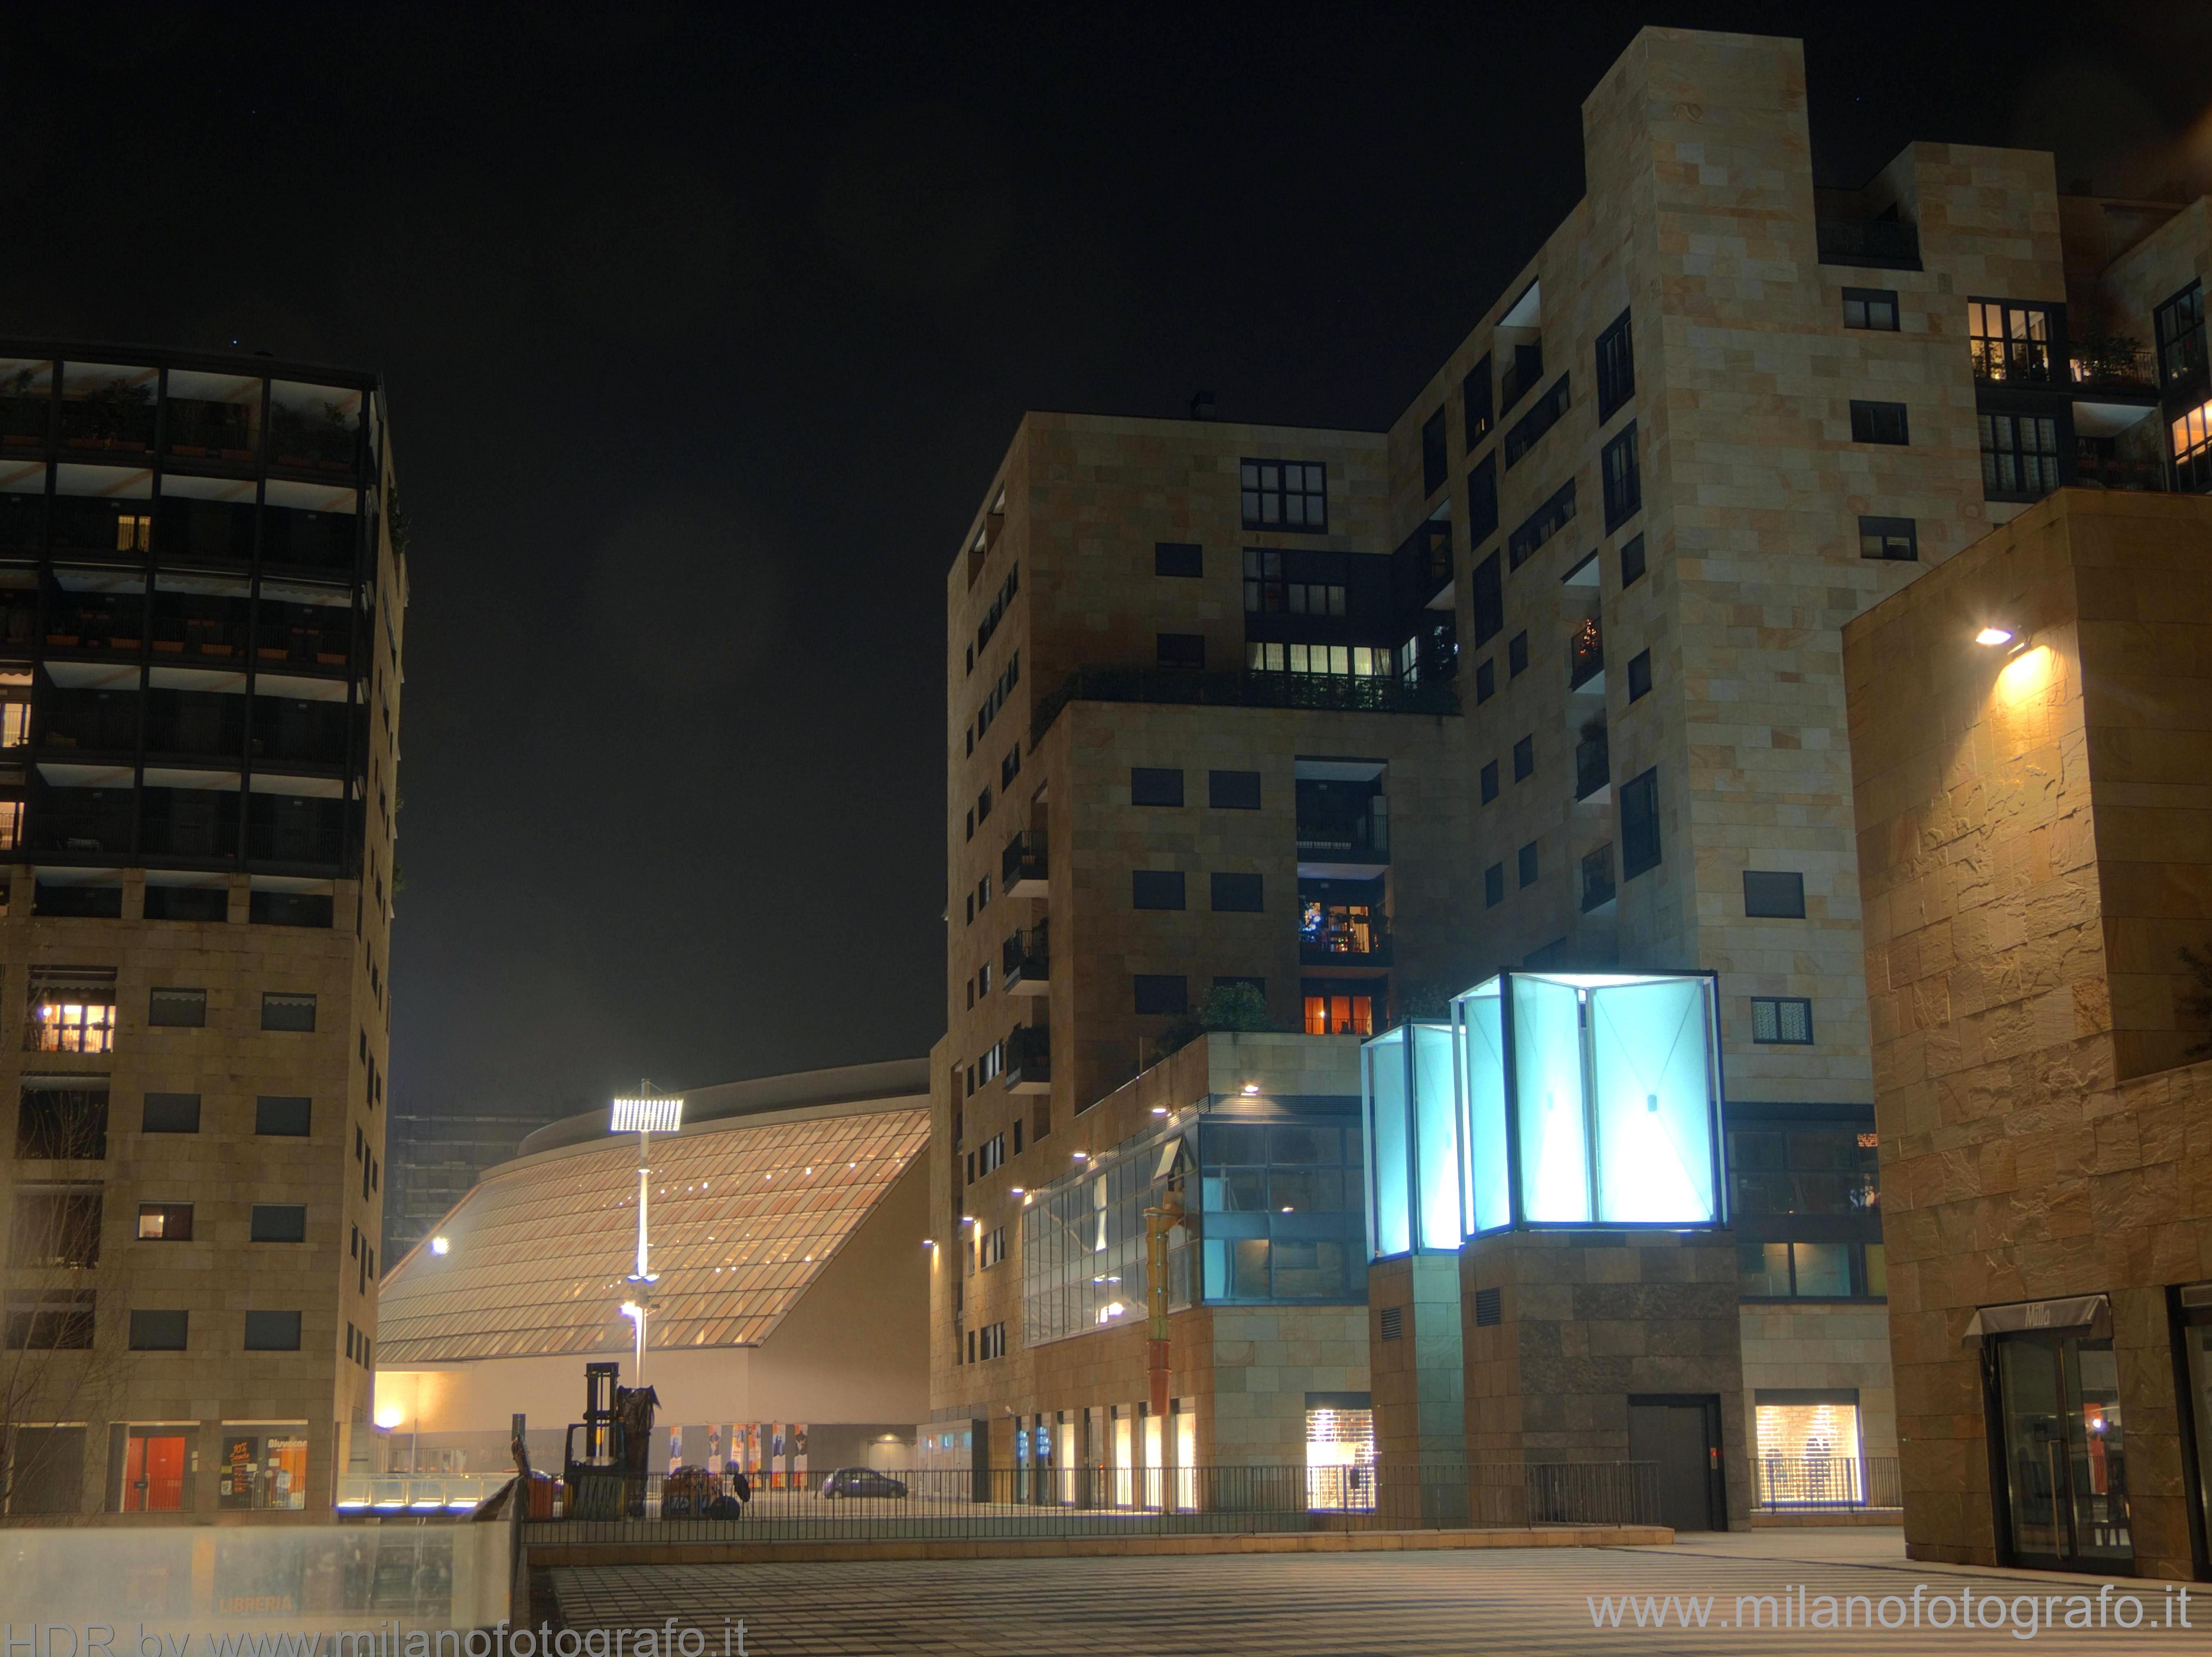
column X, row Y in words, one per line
column 799, row 1456
column 713, row 1449
column 675, row 1448
column 752, row 1447
column 773, row 1431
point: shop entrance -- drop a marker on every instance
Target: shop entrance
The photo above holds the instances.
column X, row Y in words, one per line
column 2056, row 1398
column 1682, row 1434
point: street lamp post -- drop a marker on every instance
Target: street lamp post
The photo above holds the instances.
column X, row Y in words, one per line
column 644, row 1115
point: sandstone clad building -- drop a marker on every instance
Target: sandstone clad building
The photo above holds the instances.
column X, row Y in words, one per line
column 202, row 588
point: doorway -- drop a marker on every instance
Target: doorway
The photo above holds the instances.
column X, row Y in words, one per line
column 153, row 1471
column 2057, row 1404
column 1681, row 1434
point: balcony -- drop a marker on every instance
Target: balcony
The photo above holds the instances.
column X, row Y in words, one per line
column 1421, row 568
column 1022, row 871
column 1521, row 376
column 1363, row 838
column 1025, row 962
column 2111, row 471
column 2112, row 366
column 1593, row 759
column 1191, row 687
column 1585, row 654
column 1870, row 244
column 1597, row 878
column 1343, row 934
column 1028, row 1059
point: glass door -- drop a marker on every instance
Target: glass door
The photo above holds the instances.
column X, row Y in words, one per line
column 2065, row 1458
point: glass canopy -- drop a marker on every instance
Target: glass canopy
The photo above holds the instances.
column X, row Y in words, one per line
column 1553, row 1098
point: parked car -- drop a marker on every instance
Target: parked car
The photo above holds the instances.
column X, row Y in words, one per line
column 860, row 1481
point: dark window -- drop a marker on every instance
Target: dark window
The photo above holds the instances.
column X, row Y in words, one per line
column 171, row 1113
column 1163, row 992
column 1773, row 895
column 1485, row 680
column 165, row 1223
column 1178, row 559
column 1878, row 423
column 193, row 903
column 1624, row 484
column 1155, row 785
column 281, row 1012
column 1156, row 888
column 1435, row 467
column 282, row 1116
column 1524, row 759
column 1489, row 597
column 1516, row 655
column 1547, row 411
column 1482, row 501
column 55, row 1229
column 1631, row 561
column 272, row 1331
column 1639, row 675
column 1489, row 782
column 2180, row 324
column 1889, row 537
column 1233, row 790
column 184, row 1007
column 1493, row 884
column 1285, row 495
column 62, row 1125
column 1786, row 1020
column 1870, row 307
column 1639, row 823
column 49, row 1320
column 1182, row 650
column 279, row 1223
column 1540, row 526
column 2019, row 456
column 75, row 899
column 1237, row 893
column 1528, row 864
column 1474, row 401
column 1616, row 369
column 159, row 1331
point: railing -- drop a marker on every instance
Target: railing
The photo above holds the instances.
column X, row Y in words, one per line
column 1585, row 654
column 1029, row 1054
column 1593, row 758
column 1193, row 687
column 1787, row 1483
column 1023, row 860
column 1597, row 877
column 1064, row 1502
column 1338, row 948
column 1025, row 958
column 1876, row 244
column 2118, row 370
column 1365, row 838
column 2110, row 471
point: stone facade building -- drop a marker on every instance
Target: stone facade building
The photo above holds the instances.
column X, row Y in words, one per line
column 204, row 579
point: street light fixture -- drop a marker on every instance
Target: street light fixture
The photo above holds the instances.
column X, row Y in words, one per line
column 1994, row 635
column 645, row 1114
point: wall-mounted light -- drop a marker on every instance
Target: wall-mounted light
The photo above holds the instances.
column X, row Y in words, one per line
column 1250, row 1088
column 929, row 1242
column 1083, row 1156
column 389, row 1415
column 1994, row 635
column 1159, row 1109
column 966, row 1219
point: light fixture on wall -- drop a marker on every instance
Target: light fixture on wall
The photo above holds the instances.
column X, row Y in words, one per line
column 1993, row 636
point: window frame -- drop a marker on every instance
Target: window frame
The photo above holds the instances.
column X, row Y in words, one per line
column 1479, row 421
column 1622, row 480
column 1642, row 844
column 1254, row 494
column 1994, row 427
column 1888, row 535
column 1865, row 298
column 1778, row 1002
column 1869, row 423
column 1773, row 894
column 1615, row 350
column 1170, row 557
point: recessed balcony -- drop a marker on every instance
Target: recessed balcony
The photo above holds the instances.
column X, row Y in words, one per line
column 1025, row 962
column 1022, row 871
column 1028, row 1059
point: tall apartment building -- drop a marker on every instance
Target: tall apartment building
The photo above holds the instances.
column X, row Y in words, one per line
column 436, row 1161
column 1721, row 411
column 203, row 584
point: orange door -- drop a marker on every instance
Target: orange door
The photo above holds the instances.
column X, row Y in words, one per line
column 153, row 1473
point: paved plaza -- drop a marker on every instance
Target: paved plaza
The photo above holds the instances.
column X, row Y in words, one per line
column 1373, row 1604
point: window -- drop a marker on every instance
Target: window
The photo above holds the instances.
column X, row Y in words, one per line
column 1339, row 1006
column 1331, row 660
column 72, row 1010
column 1784, row 1021
column 1631, row 561
column 2019, row 455
column 272, row 1331
column 1178, row 559
column 1870, row 307
column 279, row 1223
column 1639, row 675
column 1233, row 790
column 2180, row 326
column 184, row 1008
column 1878, row 423
column 991, row 1342
column 1489, row 781
column 1624, row 485
column 55, row 1229
column 1010, row 768
column 287, row 1012
column 281, row 1116
column 2009, row 342
column 1813, row 1270
column 1516, row 655
column 171, row 1113
column 1889, row 537
column 991, row 1156
column 1482, row 501
column 1435, row 467
column 1163, row 992
column 1268, row 592
column 51, row 1320
column 1526, row 864
column 1489, row 599
column 63, row 1119
column 1548, row 411
column 1182, row 650
column 1237, row 894
column 1156, row 888
column 982, row 810
column 1616, row 369
column 159, row 1331
column 1285, row 495
column 1524, row 759
column 165, row 1223
column 1545, row 521
column 2192, row 449
column 1493, row 885
column 1475, row 402
column 1155, row 785
column 1639, row 823
column 1772, row 895
column 1485, row 680
column 990, row 1248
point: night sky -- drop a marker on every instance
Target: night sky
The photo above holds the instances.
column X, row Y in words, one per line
column 703, row 329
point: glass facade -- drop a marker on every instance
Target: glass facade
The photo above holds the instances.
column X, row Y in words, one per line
column 1579, row 1098
column 1412, row 1132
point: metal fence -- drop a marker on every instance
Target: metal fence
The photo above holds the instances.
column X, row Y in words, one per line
column 1798, row 1484
column 696, row 1506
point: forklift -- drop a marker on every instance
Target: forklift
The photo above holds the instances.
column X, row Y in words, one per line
column 604, row 1467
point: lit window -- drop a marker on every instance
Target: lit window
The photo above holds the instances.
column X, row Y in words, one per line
column 72, row 1012
column 2009, row 342
column 2192, row 448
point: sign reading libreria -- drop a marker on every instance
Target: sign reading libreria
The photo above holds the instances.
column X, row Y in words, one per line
column 1551, row 1098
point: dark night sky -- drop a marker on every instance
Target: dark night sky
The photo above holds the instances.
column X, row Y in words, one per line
column 704, row 328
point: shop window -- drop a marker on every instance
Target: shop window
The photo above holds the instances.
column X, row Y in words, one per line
column 1810, row 1455
column 1340, row 1457
column 2058, row 1420
column 263, row 1468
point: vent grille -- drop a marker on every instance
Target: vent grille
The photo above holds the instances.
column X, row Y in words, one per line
column 1489, row 1307
column 1394, row 1323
